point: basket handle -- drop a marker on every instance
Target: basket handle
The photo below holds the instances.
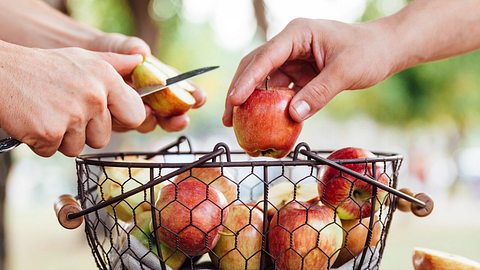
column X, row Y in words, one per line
column 64, row 206
column 407, row 206
column 421, row 204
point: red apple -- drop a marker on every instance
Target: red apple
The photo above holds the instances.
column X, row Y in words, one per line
column 223, row 182
column 354, row 237
column 304, row 235
column 192, row 213
column 349, row 196
column 240, row 243
column 263, row 125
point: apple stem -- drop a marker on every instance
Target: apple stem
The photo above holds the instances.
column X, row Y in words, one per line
column 266, row 82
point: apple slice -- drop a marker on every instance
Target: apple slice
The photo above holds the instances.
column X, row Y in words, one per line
column 170, row 101
column 428, row 259
column 170, row 72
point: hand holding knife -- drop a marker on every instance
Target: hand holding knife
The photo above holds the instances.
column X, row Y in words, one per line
column 8, row 144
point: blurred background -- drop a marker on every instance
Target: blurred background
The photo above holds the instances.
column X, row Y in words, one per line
column 429, row 114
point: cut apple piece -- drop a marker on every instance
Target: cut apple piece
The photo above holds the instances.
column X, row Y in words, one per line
column 170, row 72
column 428, row 259
column 171, row 101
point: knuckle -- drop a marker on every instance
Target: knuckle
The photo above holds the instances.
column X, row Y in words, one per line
column 298, row 22
column 319, row 93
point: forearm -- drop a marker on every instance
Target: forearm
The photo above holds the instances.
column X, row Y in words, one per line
column 32, row 23
column 428, row 30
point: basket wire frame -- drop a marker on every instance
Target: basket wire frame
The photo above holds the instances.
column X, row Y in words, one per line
column 105, row 223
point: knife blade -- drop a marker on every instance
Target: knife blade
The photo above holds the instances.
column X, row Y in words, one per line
column 148, row 90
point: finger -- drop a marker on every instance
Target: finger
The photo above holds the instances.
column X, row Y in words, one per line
column 119, row 43
column 99, row 130
column 316, row 94
column 200, row 97
column 227, row 114
column 150, row 122
column 73, row 142
column 122, row 63
column 175, row 123
column 44, row 149
column 124, row 103
column 268, row 58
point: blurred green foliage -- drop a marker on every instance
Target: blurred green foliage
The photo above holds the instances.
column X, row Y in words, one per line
column 106, row 15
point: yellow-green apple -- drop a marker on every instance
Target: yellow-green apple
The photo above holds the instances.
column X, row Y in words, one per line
column 263, row 125
column 240, row 243
column 282, row 193
column 348, row 195
column 118, row 180
column 171, row 101
column 355, row 236
column 428, row 259
column 190, row 216
column 304, row 235
column 142, row 230
column 222, row 181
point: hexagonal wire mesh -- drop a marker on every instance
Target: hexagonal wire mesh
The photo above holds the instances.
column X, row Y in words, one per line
column 166, row 209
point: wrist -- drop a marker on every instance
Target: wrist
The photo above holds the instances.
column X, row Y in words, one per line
column 388, row 45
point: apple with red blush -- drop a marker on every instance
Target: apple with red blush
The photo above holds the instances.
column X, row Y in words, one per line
column 349, row 196
column 263, row 125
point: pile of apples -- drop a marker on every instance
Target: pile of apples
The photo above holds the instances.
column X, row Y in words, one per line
column 312, row 226
column 325, row 224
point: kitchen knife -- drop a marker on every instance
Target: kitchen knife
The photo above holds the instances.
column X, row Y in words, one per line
column 148, row 90
column 8, row 144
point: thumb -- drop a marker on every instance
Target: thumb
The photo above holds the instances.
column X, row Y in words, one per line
column 122, row 63
column 315, row 95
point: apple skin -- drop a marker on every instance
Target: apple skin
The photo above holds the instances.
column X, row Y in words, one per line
column 292, row 220
column 118, row 180
column 357, row 236
column 222, row 182
column 263, row 125
column 189, row 202
column 247, row 223
column 171, row 101
column 334, row 187
column 282, row 193
column 142, row 230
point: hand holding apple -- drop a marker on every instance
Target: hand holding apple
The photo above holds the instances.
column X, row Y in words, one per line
column 302, row 231
column 349, row 196
column 263, row 125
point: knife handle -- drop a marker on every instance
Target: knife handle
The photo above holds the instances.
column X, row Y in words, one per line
column 8, row 144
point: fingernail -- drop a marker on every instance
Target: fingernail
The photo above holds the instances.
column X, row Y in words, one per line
column 302, row 108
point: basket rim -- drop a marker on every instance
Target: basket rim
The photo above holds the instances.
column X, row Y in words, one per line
column 96, row 159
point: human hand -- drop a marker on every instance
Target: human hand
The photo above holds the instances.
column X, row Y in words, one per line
column 62, row 99
column 118, row 43
column 322, row 58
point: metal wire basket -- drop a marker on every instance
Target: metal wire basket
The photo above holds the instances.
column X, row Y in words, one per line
column 165, row 209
